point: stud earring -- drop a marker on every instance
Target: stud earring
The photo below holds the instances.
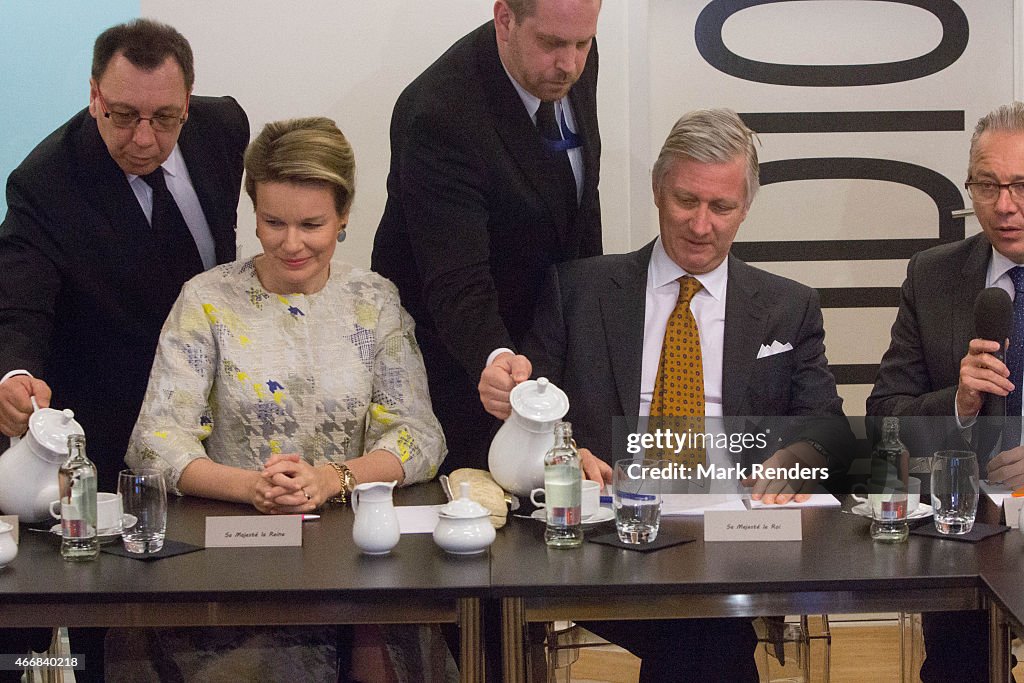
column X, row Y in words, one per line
column 341, row 235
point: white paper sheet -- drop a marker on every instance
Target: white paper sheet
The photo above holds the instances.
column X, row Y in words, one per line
column 679, row 504
column 817, row 500
column 417, row 519
column 997, row 493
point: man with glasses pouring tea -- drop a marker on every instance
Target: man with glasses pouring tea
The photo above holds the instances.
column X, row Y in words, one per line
column 107, row 218
column 937, row 366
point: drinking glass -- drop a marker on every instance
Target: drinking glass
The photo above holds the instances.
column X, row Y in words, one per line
column 144, row 496
column 954, row 491
column 637, row 500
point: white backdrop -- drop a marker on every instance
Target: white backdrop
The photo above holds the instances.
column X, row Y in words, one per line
column 349, row 59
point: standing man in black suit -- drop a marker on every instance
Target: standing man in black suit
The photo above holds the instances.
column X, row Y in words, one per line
column 494, row 171
column 935, row 365
column 92, row 256
column 599, row 333
column 106, row 219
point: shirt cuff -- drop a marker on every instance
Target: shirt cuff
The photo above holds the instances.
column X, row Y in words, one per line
column 495, row 353
column 963, row 423
column 14, row 373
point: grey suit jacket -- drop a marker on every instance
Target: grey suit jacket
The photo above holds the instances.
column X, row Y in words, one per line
column 920, row 371
column 588, row 338
column 935, row 324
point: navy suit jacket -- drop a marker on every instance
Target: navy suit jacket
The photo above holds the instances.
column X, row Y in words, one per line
column 84, row 285
column 588, row 338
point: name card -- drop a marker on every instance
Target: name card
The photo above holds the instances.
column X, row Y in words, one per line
column 253, row 531
column 755, row 525
column 1012, row 506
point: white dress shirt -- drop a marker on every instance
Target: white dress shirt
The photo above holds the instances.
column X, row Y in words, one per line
column 708, row 308
column 180, row 186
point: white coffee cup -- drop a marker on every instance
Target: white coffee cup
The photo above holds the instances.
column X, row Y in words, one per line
column 913, row 495
column 590, row 498
column 109, row 514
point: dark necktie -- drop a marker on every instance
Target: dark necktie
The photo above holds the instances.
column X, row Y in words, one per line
column 171, row 230
column 1015, row 352
column 548, row 127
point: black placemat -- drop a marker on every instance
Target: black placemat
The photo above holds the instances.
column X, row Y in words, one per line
column 170, row 549
column 665, row 539
column 979, row 532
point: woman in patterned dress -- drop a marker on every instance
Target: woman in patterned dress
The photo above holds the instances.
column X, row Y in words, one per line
column 280, row 378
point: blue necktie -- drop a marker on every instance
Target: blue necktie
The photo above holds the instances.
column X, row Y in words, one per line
column 1015, row 352
column 551, row 135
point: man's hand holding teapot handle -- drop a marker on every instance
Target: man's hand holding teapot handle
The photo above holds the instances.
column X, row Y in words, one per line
column 498, row 379
column 16, row 402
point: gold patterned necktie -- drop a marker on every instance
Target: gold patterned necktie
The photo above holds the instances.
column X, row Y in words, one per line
column 679, row 388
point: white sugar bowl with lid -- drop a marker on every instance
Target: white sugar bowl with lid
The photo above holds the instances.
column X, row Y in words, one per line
column 8, row 548
column 516, row 457
column 464, row 525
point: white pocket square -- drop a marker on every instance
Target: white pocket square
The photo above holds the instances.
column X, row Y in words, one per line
column 775, row 347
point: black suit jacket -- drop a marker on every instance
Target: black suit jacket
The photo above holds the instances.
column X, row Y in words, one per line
column 84, row 286
column 477, row 211
column 935, row 324
column 588, row 338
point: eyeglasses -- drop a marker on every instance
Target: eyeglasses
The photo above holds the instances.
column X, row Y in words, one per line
column 989, row 192
column 162, row 123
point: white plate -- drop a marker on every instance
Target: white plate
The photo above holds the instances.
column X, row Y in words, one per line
column 601, row 516
column 923, row 511
column 127, row 521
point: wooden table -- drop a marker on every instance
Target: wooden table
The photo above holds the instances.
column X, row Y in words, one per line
column 326, row 581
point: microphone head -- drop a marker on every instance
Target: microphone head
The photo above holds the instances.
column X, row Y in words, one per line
column 993, row 314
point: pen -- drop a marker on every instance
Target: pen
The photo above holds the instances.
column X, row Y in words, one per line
column 309, row 518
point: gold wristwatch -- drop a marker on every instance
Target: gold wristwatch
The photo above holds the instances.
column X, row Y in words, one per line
column 347, row 481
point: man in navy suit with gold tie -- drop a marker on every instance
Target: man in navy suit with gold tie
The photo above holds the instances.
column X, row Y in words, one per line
column 609, row 331
column 494, row 170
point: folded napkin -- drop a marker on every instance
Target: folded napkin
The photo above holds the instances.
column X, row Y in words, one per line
column 484, row 490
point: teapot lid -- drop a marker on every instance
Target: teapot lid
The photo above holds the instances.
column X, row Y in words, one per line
column 464, row 507
column 51, row 428
column 539, row 400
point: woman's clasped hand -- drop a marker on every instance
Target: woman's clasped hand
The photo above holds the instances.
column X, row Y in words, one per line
column 289, row 485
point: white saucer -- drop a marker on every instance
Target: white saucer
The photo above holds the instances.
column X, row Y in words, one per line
column 600, row 517
column 923, row 511
column 106, row 536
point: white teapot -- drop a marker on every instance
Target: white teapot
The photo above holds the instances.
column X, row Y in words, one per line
column 28, row 469
column 375, row 531
column 516, row 457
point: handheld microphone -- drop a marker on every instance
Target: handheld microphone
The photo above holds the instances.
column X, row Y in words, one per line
column 993, row 318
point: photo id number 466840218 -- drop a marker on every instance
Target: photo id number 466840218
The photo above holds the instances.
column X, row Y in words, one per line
column 18, row 662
